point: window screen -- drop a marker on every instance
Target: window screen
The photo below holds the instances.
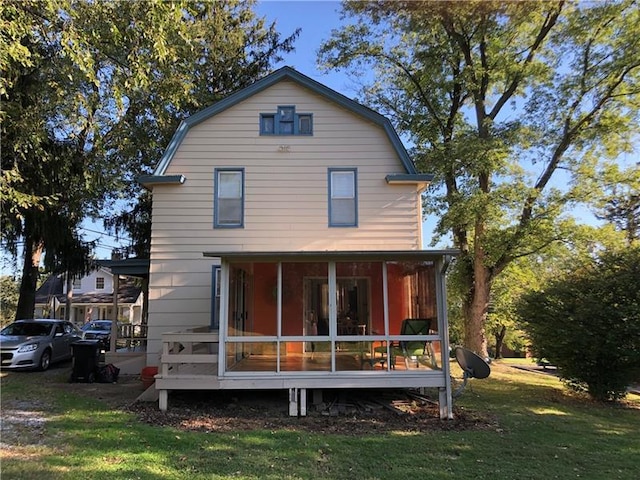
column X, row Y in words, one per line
column 229, row 198
column 342, row 198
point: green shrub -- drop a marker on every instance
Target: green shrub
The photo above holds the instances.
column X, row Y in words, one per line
column 588, row 324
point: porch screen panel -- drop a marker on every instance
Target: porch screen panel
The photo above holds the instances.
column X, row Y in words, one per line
column 305, row 299
column 252, row 299
column 411, row 292
column 360, row 300
column 241, row 291
column 265, row 303
column 315, row 357
column 251, row 357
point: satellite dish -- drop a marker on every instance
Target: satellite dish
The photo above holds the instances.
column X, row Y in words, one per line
column 472, row 365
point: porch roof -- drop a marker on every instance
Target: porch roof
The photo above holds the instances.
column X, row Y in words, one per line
column 128, row 267
column 340, row 255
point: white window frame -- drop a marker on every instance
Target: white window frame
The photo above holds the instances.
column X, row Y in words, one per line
column 217, row 198
column 345, row 196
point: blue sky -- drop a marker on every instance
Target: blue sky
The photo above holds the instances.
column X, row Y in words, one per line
column 316, row 19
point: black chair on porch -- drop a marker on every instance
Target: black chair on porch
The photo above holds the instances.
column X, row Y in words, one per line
column 418, row 351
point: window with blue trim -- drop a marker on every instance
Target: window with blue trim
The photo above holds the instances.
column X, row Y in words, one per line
column 229, row 198
column 286, row 122
column 343, row 197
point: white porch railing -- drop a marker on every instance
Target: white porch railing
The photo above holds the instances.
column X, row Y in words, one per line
column 189, row 361
column 132, row 337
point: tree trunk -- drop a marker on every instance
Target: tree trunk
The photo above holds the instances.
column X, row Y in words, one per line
column 29, row 282
column 500, row 334
column 475, row 317
column 69, row 297
column 145, row 301
column 476, row 305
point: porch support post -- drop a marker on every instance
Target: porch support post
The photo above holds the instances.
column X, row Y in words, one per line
column 293, row 402
column 114, row 322
column 445, row 400
column 297, row 402
column 224, row 316
column 163, row 400
column 303, row 402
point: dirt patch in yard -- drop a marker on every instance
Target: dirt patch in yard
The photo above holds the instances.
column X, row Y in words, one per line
column 358, row 412
column 116, row 395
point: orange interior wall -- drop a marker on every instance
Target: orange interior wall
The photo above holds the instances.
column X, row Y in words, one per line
column 397, row 301
column 265, row 307
column 264, row 301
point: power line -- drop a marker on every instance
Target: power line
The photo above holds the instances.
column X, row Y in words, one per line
column 100, row 233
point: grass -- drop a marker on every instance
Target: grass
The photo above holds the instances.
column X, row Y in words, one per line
column 541, row 431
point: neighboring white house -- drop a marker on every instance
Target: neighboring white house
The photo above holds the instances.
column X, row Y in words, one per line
column 286, row 250
column 91, row 298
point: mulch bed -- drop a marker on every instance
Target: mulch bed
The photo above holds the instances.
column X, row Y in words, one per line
column 341, row 412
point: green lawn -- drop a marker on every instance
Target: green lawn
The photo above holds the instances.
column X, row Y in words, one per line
column 540, row 432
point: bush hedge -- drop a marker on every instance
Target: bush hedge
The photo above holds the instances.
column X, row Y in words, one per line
column 588, row 324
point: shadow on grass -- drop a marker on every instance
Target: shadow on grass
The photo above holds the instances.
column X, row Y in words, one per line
column 541, row 432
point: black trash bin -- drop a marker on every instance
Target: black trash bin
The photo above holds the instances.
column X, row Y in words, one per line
column 86, row 356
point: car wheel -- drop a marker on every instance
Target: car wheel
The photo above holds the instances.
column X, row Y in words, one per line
column 45, row 360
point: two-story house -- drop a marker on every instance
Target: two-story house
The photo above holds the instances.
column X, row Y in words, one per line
column 287, row 251
column 91, row 297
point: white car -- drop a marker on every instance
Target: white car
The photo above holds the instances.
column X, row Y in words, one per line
column 37, row 343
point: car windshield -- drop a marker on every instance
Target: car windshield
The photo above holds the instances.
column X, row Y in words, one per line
column 28, row 329
column 103, row 326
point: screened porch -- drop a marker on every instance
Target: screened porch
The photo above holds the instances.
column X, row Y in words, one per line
column 334, row 320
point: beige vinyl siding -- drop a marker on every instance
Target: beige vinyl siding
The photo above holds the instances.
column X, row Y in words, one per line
column 297, row 179
column 286, row 198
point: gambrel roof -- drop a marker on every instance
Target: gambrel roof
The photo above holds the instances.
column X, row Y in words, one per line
column 285, row 73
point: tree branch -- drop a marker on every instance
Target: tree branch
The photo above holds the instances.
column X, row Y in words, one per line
column 423, row 95
column 550, row 21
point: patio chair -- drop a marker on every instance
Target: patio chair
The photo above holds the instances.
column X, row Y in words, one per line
column 420, row 351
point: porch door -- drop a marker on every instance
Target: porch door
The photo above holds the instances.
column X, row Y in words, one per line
column 316, row 306
column 353, row 306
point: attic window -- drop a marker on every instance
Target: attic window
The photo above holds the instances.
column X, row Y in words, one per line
column 99, row 283
column 286, row 122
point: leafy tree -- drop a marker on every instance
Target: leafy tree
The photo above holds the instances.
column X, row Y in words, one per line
column 620, row 202
column 502, row 101
column 91, row 93
column 523, row 275
column 8, row 299
column 588, row 323
column 502, row 319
